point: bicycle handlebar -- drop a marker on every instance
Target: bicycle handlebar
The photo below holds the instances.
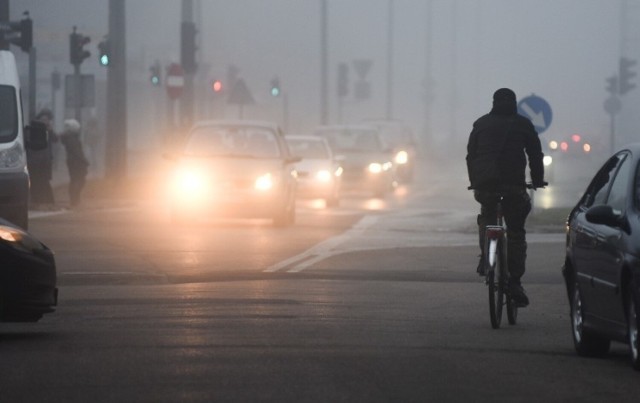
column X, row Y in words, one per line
column 529, row 185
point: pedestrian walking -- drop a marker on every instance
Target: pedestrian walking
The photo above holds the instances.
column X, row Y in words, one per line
column 76, row 161
column 40, row 165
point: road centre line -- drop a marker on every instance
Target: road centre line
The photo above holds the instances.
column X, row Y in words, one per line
column 322, row 250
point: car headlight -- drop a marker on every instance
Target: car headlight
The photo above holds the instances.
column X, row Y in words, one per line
column 18, row 239
column 263, row 182
column 323, row 176
column 375, row 168
column 402, row 157
column 12, row 157
column 547, row 160
column 189, row 182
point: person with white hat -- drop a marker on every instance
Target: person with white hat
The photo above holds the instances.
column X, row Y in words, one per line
column 76, row 160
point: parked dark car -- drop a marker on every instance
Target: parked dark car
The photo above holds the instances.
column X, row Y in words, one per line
column 602, row 265
column 28, row 276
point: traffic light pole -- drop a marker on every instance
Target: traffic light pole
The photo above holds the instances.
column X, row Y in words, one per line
column 116, row 122
column 4, row 17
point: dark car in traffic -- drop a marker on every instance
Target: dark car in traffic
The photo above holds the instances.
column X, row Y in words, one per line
column 602, row 264
column 366, row 162
column 27, row 276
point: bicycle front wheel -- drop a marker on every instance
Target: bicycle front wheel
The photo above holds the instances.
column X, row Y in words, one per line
column 494, row 281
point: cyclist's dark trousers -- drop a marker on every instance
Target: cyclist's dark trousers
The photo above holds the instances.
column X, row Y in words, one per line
column 516, row 206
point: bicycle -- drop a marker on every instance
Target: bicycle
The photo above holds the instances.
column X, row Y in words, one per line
column 497, row 271
column 496, row 268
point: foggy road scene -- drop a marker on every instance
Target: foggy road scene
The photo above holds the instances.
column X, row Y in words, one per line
column 281, row 201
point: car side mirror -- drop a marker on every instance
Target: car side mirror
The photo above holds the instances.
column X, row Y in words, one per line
column 606, row 215
column 36, row 136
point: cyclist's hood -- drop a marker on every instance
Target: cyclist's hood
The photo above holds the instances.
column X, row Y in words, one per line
column 504, row 102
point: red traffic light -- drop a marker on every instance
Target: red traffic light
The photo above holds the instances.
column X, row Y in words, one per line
column 216, row 86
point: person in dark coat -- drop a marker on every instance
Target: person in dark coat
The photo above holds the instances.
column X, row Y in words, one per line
column 40, row 165
column 499, row 146
column 76, row 161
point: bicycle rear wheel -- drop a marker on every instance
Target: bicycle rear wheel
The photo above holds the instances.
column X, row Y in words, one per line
column 494, row 281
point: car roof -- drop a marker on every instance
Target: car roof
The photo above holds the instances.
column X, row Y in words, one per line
column 237, row 123
column 364, row 127
column 309, row 137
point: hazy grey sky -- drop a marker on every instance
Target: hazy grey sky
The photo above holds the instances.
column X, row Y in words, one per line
column 562, row 50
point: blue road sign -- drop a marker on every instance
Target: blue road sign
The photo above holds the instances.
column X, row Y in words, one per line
column 537, row 110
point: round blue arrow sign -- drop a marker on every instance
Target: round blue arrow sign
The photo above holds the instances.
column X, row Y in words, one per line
column 537, row 110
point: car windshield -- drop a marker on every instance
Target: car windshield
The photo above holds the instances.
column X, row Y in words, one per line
column 248, row 142
column 313, row 149
column 350, row 140
column 8, row 114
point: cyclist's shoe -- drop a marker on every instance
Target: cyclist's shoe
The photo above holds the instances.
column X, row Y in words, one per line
column 518, row 295
column 481, row 268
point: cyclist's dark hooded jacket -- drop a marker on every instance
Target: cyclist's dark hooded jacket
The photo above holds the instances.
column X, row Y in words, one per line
column 487, row 143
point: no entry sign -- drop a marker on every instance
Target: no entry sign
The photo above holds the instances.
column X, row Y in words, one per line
column 175, row 81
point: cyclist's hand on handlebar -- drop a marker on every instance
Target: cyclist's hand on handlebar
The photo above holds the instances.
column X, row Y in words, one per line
column 537, row 185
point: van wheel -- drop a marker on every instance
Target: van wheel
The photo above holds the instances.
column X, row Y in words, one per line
column 586, row 342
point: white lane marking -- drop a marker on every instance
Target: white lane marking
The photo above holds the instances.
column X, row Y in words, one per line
column 322, row 250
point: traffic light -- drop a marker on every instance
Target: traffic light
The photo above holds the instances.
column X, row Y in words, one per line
column 104, row 52
column 216, row 86
column 626, row 75
column 343, row 80
column 612, row 85
column 275, row 87
column 188, row 47
column 77, row 53
column 155, row 74
column 19, row 33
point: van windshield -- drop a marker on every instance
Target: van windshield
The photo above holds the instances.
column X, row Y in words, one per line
column 8, row 114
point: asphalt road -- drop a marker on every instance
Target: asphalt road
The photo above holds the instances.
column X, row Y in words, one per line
column 375, row 301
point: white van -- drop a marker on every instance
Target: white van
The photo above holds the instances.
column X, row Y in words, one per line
column 14, row 175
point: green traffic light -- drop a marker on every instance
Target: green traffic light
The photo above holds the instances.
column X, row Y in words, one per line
column 104, row 60
column 275, row 91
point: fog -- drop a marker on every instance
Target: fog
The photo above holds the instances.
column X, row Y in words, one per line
column 448, row 58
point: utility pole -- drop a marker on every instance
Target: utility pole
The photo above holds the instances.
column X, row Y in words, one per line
column 390, row 61
column 324, row 64
column 4, row 17
column 116, row 124
column 188, row 61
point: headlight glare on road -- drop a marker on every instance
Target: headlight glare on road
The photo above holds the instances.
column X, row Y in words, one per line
column 547, row 160
column 264, row 182
column 402, row 157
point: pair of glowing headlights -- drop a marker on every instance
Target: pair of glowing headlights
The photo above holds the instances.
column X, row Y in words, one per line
column 191, row 182
column 376, row 167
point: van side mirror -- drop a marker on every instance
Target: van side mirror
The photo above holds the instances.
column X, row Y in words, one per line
column 36, row 136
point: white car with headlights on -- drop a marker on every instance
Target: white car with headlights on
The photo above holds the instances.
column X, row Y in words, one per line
column 319, row 172
column 240, row 169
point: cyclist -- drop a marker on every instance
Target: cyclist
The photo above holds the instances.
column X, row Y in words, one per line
column 496, row 164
